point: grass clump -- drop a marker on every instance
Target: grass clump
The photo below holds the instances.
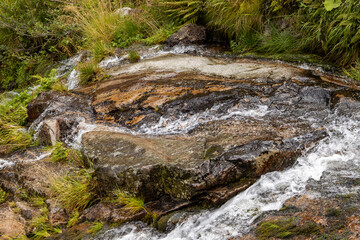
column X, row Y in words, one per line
column 130, row 203
column 13, row 137
column 63, row 154
column 133, row 56
column 353, row 72
column 75, row 191
column 333, row 212
column 41, row 225
column 96, row 227
column 89, row 72
column 3, row 195
column 285, row 228
column 74, row 219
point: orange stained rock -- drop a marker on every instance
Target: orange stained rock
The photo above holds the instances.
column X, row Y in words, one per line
column 135, row 120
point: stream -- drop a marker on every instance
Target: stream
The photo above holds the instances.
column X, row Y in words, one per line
column 335, row 158
column 322, row 170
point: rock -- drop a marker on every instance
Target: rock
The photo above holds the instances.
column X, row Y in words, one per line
column 192, row 128
column 26, row 210
column 97, row 212
column 56, row 115
column 12, row 225
column 32, row 176
column 188, row 34
column 57, row 215
column 50, row 132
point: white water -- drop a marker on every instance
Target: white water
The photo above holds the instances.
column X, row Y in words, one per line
column 341, row 148
column 186, row 122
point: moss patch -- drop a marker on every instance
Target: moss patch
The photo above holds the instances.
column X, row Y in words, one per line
column 285, row 227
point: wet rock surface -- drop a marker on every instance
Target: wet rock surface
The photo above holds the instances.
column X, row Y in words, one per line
column 179, row 130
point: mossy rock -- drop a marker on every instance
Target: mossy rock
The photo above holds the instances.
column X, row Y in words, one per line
column 285, row 227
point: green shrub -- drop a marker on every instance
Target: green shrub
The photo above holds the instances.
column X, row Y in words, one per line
column 30, row 32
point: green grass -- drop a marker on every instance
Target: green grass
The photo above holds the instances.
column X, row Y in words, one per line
column 89, row 72
column 3, row 195
column 63, row 154
column 353, row 72
column 133, row 56
column 130, row 203
column 96, row 227
column 75, row 191
column 74, row 219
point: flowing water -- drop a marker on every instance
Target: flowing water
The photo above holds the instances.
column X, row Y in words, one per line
column 314, row 174
column 334, row 160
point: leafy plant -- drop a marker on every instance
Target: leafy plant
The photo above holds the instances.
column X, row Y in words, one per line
column 333, row 33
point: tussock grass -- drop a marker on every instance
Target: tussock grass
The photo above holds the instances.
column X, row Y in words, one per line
column 89, row 72
column 75, row 191
column 234, row 17
column 353, row 72
column 131, row 204
column 13, row 137
column 96, row 227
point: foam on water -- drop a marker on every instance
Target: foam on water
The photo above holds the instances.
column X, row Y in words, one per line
column 73, row 80
column 342, row 147
column 4, row 163
column 187, row 122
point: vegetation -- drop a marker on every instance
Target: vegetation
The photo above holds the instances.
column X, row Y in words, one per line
column 96, row 227
column 130, row 203
column 74, row 191
column 285, row 228
column 3, row 195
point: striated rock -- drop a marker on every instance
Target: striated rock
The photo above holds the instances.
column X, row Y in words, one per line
column 192, row 128
column 188, row 34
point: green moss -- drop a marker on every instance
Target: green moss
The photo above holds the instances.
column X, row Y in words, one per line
column 333, row 212
column 284, row 228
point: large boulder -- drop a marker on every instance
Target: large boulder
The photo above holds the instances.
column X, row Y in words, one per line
column 188, row 34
